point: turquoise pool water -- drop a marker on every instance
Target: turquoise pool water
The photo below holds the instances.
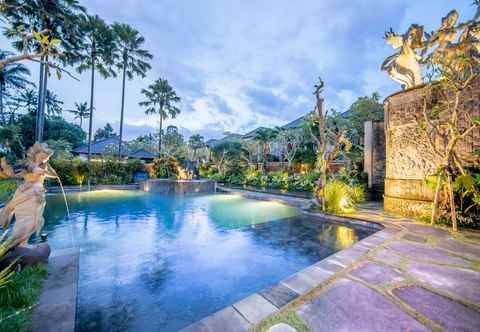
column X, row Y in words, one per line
column 157, row 263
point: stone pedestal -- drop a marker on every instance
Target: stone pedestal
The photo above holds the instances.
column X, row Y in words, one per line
column 408, row 157
column 27, row 256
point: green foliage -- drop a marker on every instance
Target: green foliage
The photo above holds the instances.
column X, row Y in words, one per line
column 165, row 168
column 11, row 139
column 61, row 147
column 303, row 182
column 341, row 197
column 7, row 188
column 467, row 192
column 363, row 109
column 18, row 297
column 56, row 128
column 228, row 150
column 103, row 133
column 76, row 171
column 278, row 180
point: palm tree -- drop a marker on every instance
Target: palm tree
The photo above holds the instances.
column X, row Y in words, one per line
column 97, row 56
column 11, row 76
column 264, row 136
column 60, row 19
column 81, row 112
column 161, row 100
column 132, row 61
column 53, row 104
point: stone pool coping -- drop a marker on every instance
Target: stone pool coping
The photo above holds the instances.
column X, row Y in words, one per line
column 256, row 307
column 84, row 188
column 57, row 306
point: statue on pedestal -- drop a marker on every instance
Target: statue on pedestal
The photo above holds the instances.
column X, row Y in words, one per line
column 28, row 202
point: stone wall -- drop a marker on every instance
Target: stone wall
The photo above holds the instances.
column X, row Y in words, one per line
column 178, row 187
column 408, row 157
column 374, row 157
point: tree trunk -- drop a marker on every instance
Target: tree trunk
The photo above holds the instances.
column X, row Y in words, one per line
column 451, row 194
column 436, row 200
column 2, row 115
column 123, row 106
column 160, row 135
column 90, row 118
column 44, row 99
column 38, row 116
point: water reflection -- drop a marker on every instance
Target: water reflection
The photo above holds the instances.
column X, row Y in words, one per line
column 155, row 263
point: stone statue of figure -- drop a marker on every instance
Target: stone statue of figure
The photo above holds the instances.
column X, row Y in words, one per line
column 28, row 202
column 450, row 49
column 404, row 66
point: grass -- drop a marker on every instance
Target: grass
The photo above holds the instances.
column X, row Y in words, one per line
column 19, row 297
column 288, row 317
column 7, row 187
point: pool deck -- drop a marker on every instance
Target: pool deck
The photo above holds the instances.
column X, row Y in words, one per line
column 406, row 277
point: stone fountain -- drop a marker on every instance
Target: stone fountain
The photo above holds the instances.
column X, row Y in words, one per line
column 27, row 205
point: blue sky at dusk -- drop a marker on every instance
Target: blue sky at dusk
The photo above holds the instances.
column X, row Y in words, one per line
column 238, row 65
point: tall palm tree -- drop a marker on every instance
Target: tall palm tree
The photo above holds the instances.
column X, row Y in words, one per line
column 97, row 56
column 161, row 100
column 264, row 136
column 81, row 112
column 60, row 19
column 11, row 76
column 132, row 61
column 53, row 104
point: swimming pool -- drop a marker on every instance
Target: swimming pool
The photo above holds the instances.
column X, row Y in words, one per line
column 156, row 263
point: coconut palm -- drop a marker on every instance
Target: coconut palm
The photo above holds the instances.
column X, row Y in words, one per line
column 161, row 100
column 97, row 56
column 265, row 136
column 81, row 112
column 53, row 104
column 11, row 76
column 132, row 61
column 57, row 18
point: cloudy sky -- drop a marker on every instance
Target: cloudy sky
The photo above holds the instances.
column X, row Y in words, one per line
column 238, row 65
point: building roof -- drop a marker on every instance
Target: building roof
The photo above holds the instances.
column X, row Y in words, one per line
column 100, row 146
column 297, row 123
column 252, row 133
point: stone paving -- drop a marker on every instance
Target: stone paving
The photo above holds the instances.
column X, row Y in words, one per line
column 406, row 277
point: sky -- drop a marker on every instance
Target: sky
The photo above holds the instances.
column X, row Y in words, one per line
column 238, row 65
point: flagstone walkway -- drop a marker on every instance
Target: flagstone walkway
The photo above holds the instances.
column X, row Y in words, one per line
column 421, row 279
column 407, row 277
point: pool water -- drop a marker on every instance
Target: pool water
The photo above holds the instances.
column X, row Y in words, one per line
column 156, row 263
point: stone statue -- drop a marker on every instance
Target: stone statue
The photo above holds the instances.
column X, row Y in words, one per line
column 404, row 66
column 449, row 48
column 28, row 202
column 446, row 47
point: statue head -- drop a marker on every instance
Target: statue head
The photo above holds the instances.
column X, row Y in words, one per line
column 39, row 153
column 449, row 21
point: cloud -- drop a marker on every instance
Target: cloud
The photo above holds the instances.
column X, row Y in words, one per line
column 238, row 65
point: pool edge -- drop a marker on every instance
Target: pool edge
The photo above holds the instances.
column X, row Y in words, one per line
column 57, row 307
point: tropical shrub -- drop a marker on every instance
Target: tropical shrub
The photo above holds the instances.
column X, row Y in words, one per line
column 341, row 197
column 278, row 180
column 165, row 168
column 303, row 182
column 467, row 195
column 76, row 171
